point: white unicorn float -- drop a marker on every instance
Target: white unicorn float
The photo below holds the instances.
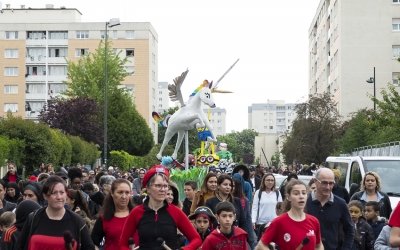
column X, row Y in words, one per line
column 190, row 115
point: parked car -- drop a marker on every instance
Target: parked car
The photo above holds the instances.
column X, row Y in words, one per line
column 352, row 170
column 281, row 179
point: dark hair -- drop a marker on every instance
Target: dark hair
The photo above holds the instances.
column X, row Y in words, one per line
column 108, row 208
column 238, row 191
column 85, row 171
column 222, row 178
column 288, row 189
column 46, row 168
column 98, row 176
column 49, row 184
column 375, row 205
column 312, row 181
column 203, row 187
column 193, row 184
column 88, row 186
column 263, row 186
column 356, row 203
column 3, row 183
column 12, row 163
column 79, row 201
column 74, row 173
column 278, row 207
column 225, row 206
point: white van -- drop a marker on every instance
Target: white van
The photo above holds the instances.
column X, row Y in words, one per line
column 353, row 168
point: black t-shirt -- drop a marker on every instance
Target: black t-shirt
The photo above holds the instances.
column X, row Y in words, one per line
column 229, row 235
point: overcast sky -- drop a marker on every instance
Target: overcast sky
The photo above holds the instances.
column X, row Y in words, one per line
column 270, row 37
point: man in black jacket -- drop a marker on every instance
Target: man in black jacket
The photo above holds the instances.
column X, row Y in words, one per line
column 331, row 211
column 255, row 182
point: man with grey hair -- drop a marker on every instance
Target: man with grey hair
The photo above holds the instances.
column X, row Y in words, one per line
column 331, row 211
column 105, row 183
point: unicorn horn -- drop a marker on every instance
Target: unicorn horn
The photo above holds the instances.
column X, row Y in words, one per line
column 216, row 84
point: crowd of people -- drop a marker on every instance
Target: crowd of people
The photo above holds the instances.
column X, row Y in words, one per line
column 105, row 208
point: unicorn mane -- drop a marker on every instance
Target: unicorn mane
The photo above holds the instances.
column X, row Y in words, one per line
column 204, row 84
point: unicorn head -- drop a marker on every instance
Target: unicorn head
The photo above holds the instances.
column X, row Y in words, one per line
column 206, row 95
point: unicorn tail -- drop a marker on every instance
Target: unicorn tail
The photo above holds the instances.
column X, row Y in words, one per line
column 162, row 121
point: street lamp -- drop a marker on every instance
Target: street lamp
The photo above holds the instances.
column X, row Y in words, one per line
column 113, row 22
column 373, row 80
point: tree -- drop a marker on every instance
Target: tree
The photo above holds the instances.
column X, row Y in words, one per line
column 239, row 144
column 315, row 130
column 79, row 116
column 275, row 159
column 127, row 130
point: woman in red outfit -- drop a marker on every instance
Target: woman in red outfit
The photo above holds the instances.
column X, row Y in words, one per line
column 155, row 218
column 291, row 228
column 113, row 214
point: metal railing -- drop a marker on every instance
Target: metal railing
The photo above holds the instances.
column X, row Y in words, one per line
column 384, row 149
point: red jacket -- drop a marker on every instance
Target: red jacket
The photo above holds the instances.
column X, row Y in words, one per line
column 217, row 240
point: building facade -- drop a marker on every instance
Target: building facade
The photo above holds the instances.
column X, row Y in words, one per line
column 347, row 39
column 163, row 97
column 217, row 120
column 36, row 43
column 272, row 118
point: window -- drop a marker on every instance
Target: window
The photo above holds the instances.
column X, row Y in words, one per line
column 57, row 88
column 130, row 52
column 129, row 34
column 115, row 34
column 154, row 58
column 11, row 53
column 13, row 107
column 35, row 53
column 36, row 70
column 271, row 127
column 396, row 24
column 58, row 70
column 219, row 113
column 395, row 78
column 279, row 120
column 289, row 114
column 265, row 120
column 396, row 1
column 35, row 35
column 265, row 127
column 102, row 32
column 58, row 35
column 36, row 89
column 219, row 129
column 10, row 89
column 130, row 69
column 288, row 120
column 160, row 99
column 81, row 52
column 265, row 114
column 395, row 50
column 11, row 35
column 280, row 108
column 58, row 52
column 160, row 105
column 219, row 121
column 160, row 92
column 289, row 107
column 8, row 71
column 280, row 114
column 82, row 34
column 288, row 127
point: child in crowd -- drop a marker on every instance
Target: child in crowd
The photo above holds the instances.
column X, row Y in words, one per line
column 7, row 219
column 383, row 240
column 278, row 208
column 190, row 189
column 204, row 221
column 372, row 209
column 226, row 236
column 364, row 236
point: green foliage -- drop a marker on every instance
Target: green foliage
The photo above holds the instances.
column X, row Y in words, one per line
column 194, row 142
column 151, row 158
column 239, row 143
column 82, row 152
column 4, row 150
column 127, row 130
column 315, row 130
column 181, row 176
column 275, row 159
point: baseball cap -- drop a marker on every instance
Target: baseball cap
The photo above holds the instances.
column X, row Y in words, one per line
column 154, row 170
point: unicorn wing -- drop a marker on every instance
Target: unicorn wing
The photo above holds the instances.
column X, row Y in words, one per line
column 175, row 93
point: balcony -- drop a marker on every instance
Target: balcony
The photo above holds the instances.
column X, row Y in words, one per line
column 42, row 78
column 41, row 60
column 35, row 97
column 42, row 42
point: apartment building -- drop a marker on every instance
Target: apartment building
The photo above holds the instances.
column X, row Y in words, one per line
column 217, row 120
column 38, row 41
column 347, row 39
column 272, row 118
column 163, row 97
